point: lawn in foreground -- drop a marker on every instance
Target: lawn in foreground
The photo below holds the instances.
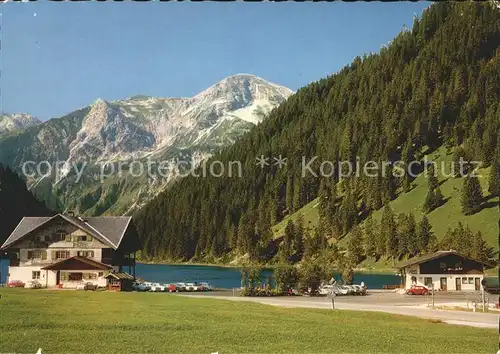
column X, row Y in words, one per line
column 106, row 322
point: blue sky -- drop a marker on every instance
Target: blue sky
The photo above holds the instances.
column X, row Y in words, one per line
column 58, row 57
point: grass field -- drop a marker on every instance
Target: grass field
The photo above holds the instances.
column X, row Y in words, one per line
column 104, row 322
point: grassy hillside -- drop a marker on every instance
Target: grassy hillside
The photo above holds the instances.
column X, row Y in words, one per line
column 442, row 218
column 104, row 322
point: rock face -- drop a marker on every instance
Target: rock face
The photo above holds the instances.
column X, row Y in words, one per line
column 111, row 138
column 18, row 121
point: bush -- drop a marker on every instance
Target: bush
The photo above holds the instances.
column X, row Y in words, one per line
column 311, row 276
column 286, row 277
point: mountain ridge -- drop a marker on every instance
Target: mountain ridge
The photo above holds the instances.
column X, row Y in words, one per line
column 136, row 129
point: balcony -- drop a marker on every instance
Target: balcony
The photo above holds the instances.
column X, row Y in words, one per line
column 38, row 244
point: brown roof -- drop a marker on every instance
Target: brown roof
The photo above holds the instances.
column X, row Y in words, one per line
column 120, row 276
column 77, row 263
column 107, row 229
column 434, row 255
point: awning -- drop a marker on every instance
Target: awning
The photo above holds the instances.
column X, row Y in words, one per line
column 120, row 276
column 78, row 263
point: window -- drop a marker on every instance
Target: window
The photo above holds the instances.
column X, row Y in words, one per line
column 35, row 275
column 62, row 235
column 442, row 265
column 458, row 266
column 464, row 280
column 471, row 280
column 89, row 276
column 88, row 254
column 101, row 274
column 64, row 275
column 62, row 254
column 84, row 238
column 75, row 276
column 37, row 254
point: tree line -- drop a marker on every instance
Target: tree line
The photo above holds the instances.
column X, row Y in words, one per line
column 435, row 85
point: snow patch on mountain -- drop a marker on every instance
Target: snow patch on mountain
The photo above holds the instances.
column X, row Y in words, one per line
column 17, row 121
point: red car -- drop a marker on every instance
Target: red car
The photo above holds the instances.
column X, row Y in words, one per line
column 172, row 288
column 417, row 290
column 15, row 284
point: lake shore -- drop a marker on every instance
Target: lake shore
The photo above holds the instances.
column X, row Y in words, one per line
column 265, row 266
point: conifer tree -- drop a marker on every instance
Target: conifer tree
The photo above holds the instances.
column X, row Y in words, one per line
column 369, row 241
column 434, row 197
column 494, row 178
column 426, row 239
column 472, row 195
column 403, row 229
column 298, row 238
column 388, row 229
column 479, row 248
column 355, row 245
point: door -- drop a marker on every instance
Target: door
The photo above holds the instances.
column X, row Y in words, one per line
column 58, row 277
column 477, row 284
column 443, row 284
column 458, row 284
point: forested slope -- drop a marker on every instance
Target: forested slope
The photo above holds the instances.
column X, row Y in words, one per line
column 16, row 202
column 436, row 85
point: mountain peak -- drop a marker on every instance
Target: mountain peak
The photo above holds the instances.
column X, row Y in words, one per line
column 16, row 121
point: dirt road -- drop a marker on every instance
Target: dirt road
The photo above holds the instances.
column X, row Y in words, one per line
column 379, row 301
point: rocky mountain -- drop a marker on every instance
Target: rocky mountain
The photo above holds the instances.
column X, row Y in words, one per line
column 13, row 122
column 112, row 156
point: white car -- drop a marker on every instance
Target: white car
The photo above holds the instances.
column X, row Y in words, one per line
column 32, row 284
column 156, row 287
column 141, row 287
column 207, row 286
column 351, row 289
column 342, row 290
column 191, row 287
column 327, row 289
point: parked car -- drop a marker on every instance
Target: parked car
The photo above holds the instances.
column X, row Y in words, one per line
column 191, row 287
column 181, row 286
column 157, row 287
column 33, row 284
column 80, row 286
column 15, row 284
column 172, row 288
column 326, row 289
column 360, row 290
column 342, row 290
column 351, row 290
column 207, row 286
column 141, row 286
column 417, row 290
column 90, row 286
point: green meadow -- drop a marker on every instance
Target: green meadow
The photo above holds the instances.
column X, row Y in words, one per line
column 107, row 322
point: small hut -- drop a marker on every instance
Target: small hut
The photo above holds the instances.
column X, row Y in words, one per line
column 120, row 281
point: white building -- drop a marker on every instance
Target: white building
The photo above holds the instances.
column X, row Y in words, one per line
column 64, row 250
column 445, row 270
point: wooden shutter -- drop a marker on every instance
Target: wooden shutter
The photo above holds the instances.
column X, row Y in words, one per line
column 44, row 254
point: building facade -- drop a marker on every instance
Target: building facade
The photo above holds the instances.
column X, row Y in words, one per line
column 65, row 250
column 443, row 270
